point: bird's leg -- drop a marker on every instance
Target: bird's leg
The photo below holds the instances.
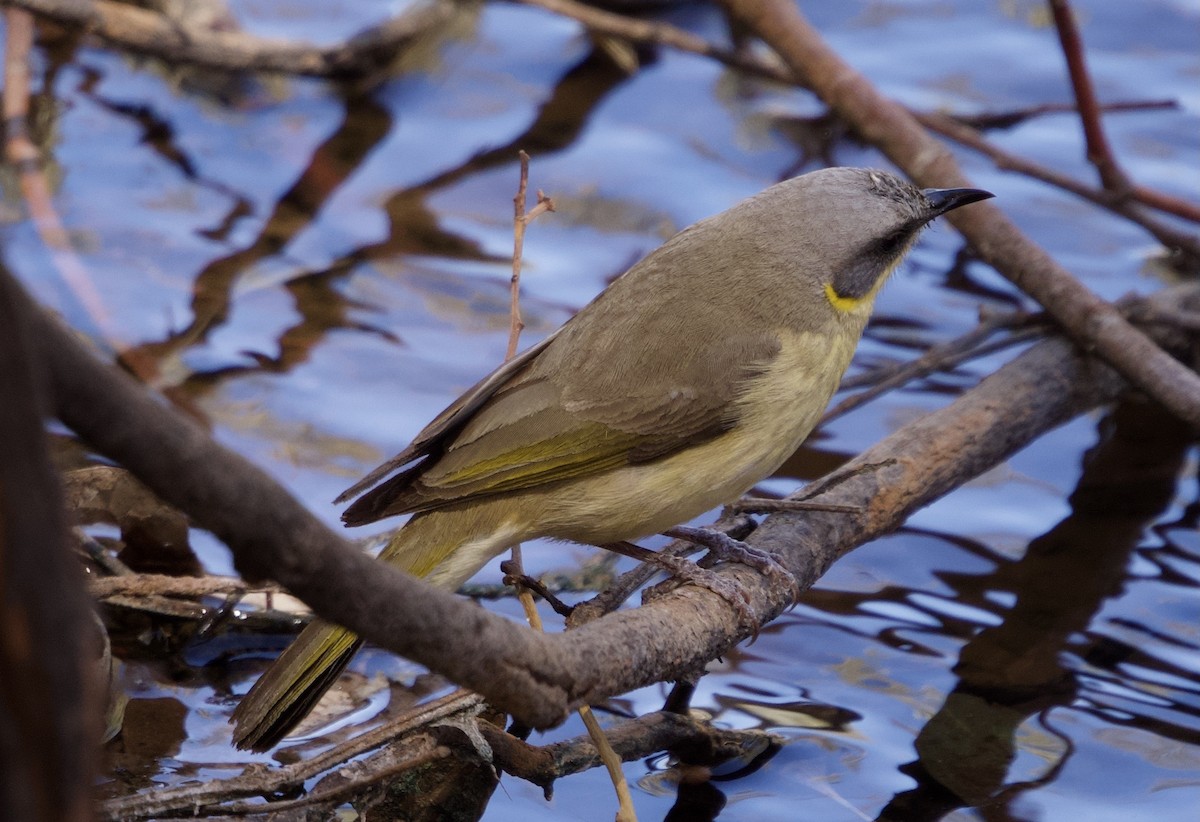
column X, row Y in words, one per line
column 734, row 550
column 689, row 571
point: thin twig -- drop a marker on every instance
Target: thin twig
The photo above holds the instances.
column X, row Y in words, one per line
column 986, row 120
column 1166, row 202
column 658, row 33
column 939, row 357
column 963, row 134
column 612, row 762
column 1099, row 151
column 730, row 522
column 516, row 324
column 520, row 221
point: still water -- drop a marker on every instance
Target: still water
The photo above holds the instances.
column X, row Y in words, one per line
column 316, row 273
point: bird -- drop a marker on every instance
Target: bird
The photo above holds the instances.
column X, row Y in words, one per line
column 690, row 378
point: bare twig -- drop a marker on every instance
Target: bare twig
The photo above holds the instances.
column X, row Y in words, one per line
column 1165, row 202
column 735, row 525
column 521, row 220
column 657, row 33
column 957, row 131
column 612, row 763
column 986, row 120
column 938, row 357
column 1099, row 152
column 516, row 324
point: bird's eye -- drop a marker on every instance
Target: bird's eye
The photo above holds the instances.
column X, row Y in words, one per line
column 892, row 244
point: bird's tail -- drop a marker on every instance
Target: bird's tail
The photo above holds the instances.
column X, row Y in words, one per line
column 311, row 664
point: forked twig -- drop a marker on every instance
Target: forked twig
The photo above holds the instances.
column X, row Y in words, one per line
column 521, row 219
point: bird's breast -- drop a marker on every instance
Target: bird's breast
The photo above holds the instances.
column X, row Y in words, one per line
column 776, row 411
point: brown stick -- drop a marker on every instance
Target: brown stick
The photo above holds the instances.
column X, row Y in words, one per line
column 1092, row 322
column 148, row 32
column 985, row 120
column 658, row 33
column 521, row 221
column 200, row 796
column 1099, row 151
column 952, row 128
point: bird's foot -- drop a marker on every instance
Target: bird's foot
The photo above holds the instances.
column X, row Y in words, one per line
column 688, row 571
column 734, row 550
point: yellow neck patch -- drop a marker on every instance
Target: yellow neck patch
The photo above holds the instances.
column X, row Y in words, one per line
column 838, row 301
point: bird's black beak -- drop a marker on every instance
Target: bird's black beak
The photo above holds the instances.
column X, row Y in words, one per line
column 942, row 200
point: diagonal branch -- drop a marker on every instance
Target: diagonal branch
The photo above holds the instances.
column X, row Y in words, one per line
column 881, row 121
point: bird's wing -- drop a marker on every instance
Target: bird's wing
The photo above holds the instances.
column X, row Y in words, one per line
column 540, row 424
column 452, row 418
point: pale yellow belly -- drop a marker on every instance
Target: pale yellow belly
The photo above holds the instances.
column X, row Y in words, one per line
column 776, row 414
